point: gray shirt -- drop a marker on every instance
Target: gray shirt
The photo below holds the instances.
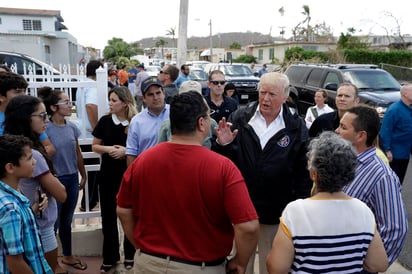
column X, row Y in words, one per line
column 64, row 140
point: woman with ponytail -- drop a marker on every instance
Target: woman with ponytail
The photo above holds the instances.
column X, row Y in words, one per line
column 67, row 162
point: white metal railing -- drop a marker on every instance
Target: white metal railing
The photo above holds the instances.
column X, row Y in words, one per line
column 71, row 84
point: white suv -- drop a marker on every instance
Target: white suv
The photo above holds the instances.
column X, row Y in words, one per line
column 25, row 63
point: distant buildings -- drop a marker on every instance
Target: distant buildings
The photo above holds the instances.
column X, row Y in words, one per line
column 42, row 34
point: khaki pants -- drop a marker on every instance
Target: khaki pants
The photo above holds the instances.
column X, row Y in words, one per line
column 147, row 264
column 266, row 235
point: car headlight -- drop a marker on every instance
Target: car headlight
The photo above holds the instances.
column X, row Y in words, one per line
column 381, row 110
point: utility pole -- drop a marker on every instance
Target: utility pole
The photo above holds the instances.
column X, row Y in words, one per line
column 211, row 41
column 182, row 38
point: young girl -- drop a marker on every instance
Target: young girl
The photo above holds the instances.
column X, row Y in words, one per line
column 26, row 115
column 67, row 162
column 109, row 140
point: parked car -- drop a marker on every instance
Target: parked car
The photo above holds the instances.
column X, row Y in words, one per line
column 26, row 63
column 152, row 70
column 199, row 75
column 241, row 76
column 377, row 87
column 197, row 64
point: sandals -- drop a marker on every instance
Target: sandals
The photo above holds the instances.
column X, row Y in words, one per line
column 128, row 264
column 77, row 264
column 104, row 268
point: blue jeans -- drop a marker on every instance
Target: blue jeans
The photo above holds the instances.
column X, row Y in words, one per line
column 66, row 211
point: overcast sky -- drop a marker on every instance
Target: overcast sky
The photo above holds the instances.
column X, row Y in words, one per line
column 95, row 22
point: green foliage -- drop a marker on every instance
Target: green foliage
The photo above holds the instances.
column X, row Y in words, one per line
column 395, row 57
column 118, row 48
column 353, row 56
column 161, row 43
column 295, row 53
column 298, row 54
column 172, row 33
column 245, row 59
column 123, row 61
column 349, row 41
column 235, row 45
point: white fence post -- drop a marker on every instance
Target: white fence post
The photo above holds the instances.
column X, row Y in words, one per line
column 101, row 79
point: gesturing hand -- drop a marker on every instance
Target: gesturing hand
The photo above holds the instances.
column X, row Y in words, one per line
column 224, row 133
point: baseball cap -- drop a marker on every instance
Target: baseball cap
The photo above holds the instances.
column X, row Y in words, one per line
column 140, row 66
column 150, row 81
column 190, row 86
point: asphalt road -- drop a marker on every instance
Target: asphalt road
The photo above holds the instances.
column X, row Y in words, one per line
column 406, row 255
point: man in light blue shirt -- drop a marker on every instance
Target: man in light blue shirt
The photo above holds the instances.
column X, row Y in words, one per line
column 184, row 75
column 144, row 127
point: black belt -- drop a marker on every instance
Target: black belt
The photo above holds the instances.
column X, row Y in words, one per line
column 183, row 261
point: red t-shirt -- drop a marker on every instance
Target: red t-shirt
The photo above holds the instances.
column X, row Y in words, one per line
column 185, row 199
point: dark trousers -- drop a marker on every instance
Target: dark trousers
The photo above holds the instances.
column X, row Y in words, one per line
column 91, row 181
column 111, row 253
column 65, row 211
column 400, row 166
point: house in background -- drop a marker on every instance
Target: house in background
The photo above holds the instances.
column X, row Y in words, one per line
column 40, row 34
column 268, row 52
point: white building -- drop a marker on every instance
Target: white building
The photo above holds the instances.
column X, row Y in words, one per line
column 39, row 33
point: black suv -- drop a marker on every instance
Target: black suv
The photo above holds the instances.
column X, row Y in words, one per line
column 377, row 87
column 241, row 76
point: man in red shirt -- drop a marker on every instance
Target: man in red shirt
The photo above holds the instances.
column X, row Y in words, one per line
column 182, row 205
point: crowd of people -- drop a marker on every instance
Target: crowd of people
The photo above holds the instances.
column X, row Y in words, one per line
column 199, row 183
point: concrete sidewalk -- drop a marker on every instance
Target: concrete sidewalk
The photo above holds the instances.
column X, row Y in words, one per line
column 87, row 244
column 94, row 262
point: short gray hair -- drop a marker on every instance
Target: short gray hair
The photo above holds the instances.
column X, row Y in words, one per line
column 334, row 159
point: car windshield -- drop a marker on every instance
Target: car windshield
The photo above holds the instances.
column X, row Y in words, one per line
column 372, row 80
column 199, row 75
column 153, row 69
column 237, row 70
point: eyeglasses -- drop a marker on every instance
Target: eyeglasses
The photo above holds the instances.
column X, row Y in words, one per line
column 211, row 112
column 165, row 72
column 69, row 103
column 42, row 115
column 218, row 82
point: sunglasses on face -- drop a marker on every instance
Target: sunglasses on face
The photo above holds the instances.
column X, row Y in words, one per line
column 161, row 72
column 218, row 82
column 42, row 115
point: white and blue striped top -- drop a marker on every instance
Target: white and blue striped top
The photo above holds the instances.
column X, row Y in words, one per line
column 329, row 235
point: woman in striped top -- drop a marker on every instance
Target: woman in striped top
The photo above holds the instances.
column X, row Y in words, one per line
column 329, row 232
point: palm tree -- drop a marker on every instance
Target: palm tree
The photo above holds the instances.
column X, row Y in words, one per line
column 306, row 13
column 172, row 32
column 161, row 43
